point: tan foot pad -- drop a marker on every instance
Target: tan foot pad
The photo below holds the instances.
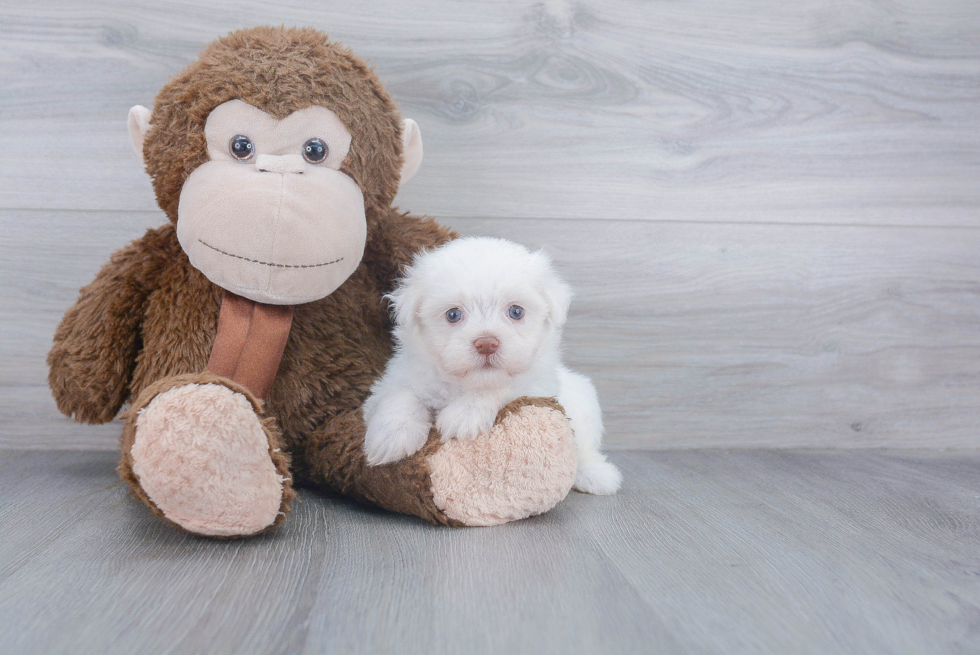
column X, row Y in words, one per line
column 524, row 467
column 202, row 456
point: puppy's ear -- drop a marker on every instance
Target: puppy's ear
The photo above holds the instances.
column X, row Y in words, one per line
column 557, row 295
column 406, row 300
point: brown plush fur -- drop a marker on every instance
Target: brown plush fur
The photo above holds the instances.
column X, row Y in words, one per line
column 149, row 315
column 149, row 319
column 139, row 324
column 525, row 401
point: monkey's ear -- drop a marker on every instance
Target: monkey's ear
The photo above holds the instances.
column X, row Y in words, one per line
column 139, row 125
column 411, row 149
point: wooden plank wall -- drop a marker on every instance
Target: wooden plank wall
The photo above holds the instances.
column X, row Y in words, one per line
column 769, row 209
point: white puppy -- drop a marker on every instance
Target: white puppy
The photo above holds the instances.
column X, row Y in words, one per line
column 478, row 324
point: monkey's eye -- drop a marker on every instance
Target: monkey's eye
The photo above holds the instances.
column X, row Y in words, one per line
column 315, row 151
column 241, row 147
column 516, row 312
column 454, row 315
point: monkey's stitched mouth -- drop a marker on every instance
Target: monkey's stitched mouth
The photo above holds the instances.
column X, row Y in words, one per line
column 274, row 264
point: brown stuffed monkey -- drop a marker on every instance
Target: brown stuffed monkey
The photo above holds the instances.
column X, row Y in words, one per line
column 246, row 332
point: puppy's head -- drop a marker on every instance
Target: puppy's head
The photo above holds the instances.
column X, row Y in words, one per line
column 481, row 308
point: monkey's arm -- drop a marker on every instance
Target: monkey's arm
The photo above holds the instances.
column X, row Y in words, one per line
column 94, row 353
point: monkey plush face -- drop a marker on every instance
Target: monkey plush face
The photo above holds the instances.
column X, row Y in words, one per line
column 270, row 216
column 270, row 153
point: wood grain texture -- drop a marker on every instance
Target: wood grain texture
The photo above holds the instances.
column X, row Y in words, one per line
column 701, row 552
column 696, row 335
column 763, row 111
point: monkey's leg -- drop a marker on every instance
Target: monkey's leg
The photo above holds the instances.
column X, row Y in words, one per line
column 196, row 451
column 195, row 448
column 525, row 466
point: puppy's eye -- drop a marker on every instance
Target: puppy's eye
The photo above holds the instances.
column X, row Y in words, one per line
column 241, row 147
column 454, row 315
column 315, row 151
column 516, row 312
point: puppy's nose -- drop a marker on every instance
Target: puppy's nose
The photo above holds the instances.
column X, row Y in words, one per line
column 486, row 345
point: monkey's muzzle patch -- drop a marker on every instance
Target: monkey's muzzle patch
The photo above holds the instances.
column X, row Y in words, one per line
column 283, row 234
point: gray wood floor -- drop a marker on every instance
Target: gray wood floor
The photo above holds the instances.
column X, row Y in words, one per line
column 702, row 552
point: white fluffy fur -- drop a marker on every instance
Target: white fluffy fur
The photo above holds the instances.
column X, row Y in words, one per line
column 436, row 371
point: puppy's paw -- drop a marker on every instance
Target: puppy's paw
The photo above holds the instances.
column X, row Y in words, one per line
column 389, row 439
column 601, row 478
column 465, row 421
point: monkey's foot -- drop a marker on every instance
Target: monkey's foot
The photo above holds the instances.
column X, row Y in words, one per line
column 196, row 451
column 524, row 467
